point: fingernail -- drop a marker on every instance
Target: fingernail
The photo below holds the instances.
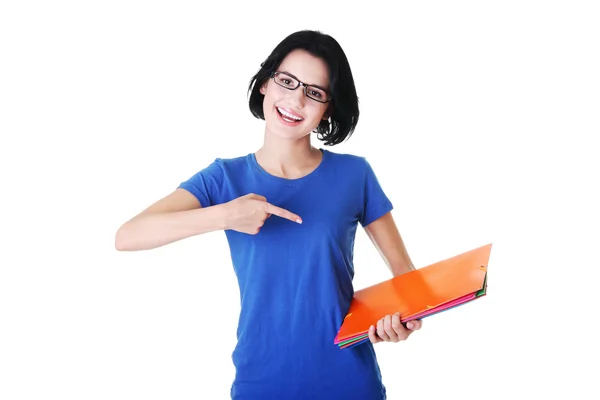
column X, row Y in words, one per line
column 410, row 325
column 299, row 221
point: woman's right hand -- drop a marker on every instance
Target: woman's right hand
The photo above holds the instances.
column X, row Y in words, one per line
column 247, row 214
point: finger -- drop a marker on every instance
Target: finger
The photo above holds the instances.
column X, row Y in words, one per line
column 398, row 327
column 414, row 325
column 387, row 326
column 381, row 331
column 280, row 212
column 372, row 336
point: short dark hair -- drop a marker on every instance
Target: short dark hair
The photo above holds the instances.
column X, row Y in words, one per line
column 343, row 111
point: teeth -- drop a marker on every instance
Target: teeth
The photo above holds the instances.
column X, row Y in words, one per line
column 287, row 114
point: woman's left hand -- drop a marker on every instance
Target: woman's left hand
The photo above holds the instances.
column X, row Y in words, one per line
column 390, row 329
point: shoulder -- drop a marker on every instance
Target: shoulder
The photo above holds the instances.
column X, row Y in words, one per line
column 351, row 163
column 219, row 170
column 210, row 182
column 221, row 165
column 226, row 162
column 345, row 158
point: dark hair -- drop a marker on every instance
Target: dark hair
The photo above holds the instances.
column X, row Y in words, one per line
column 343, row 109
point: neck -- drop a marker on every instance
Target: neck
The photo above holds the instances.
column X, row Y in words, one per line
column 288, row 158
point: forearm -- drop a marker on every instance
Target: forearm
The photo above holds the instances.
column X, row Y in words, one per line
column 398, row 260
column 402, row 264
column 148, row 231
column 387, row 240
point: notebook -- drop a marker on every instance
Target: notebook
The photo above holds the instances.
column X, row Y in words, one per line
column 417, row 294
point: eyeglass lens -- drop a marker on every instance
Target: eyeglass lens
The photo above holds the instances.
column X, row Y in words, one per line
column 288, row 82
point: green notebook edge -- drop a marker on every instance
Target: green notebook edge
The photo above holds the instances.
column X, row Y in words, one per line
column 482, row 291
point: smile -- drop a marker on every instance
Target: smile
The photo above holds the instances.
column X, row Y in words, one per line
column 288, row 117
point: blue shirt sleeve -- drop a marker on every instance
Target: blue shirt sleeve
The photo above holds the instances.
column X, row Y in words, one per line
column 375, row 202
column 205, row 184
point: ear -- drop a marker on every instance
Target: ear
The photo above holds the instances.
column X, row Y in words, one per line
column 263, row 87
column 326, row 114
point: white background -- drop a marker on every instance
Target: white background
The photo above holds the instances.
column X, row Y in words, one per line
column 480, row 119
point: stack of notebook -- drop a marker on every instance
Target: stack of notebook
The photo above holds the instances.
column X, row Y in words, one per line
column 417, row 294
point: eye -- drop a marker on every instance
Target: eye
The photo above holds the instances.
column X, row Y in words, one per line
column 286, row 81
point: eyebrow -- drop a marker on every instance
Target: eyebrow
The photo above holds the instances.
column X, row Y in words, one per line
column 309, row 84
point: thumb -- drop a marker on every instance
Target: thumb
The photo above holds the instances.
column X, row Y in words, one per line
column 414, row 325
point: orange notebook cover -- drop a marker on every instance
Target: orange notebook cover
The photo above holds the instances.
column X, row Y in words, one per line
column 417, row 294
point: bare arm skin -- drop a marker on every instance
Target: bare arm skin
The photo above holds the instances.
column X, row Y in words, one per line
column 176, row 216
column 386, row 238
column 179, row 215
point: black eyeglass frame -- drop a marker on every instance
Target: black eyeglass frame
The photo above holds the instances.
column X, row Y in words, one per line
column 304, row 86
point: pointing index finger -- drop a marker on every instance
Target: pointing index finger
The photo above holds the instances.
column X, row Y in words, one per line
column 283, row 213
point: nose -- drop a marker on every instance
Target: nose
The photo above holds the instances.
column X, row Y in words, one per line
column 298, row 96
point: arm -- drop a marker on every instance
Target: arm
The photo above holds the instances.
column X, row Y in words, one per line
column 180, row 215
column 177, row 216
column 386, row 238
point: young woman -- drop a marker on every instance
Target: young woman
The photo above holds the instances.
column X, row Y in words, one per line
column 290, row 213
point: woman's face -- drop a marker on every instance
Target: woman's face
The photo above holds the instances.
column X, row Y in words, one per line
column 290, row 114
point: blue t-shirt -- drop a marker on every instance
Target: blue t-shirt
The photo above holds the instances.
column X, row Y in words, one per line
column 295, row 280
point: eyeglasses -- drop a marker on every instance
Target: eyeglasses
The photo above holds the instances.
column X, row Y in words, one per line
column 291, row 83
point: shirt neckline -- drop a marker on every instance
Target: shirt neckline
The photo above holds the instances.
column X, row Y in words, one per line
column 287, row 181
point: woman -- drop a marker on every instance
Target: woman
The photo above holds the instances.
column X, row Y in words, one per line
column 290, row 213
